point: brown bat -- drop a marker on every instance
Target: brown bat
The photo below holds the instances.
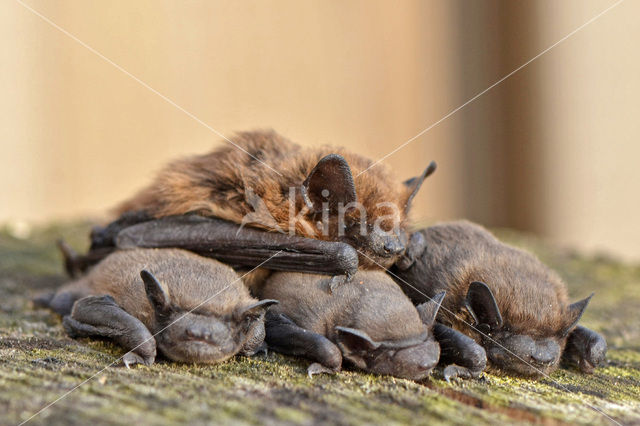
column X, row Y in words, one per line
column 368, row 321
column 318, row 199
column 191, row 308
column 502, row 297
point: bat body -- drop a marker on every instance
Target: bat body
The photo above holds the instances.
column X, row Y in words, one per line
column 368, row 321
column 190, row 308
column 316, row 194
column 502, row 297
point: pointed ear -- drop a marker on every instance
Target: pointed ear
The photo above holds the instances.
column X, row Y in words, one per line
column 575, row 313
column 413, row 185
column 330, row 181
column 355, row 344
column 429, row 310
column 256, row 310
column 156, row 293
column 482, row 305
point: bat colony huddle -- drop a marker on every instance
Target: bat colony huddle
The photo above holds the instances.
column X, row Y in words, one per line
column 340, row 276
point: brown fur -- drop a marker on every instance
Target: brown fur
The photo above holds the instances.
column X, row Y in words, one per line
column 371, row 302
column 197, row 309
column 369, row 321
column 189, row 280
column 531, row 296
column 216, row 184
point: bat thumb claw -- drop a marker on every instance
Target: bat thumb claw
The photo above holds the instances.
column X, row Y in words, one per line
column 336, row 281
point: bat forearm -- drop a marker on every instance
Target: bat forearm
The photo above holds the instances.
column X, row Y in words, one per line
column 237, row 246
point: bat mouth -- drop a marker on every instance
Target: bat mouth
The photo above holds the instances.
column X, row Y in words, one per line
column 195, row 350
column 586, row 366
column 200, row 340
column 200, row 336
column 416, row 362
column 525, row 366
column 384, row 256
column 390, row 247
column 387, row 255
column 384, row 244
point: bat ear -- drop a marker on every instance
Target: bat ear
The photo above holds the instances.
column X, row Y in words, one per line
column 482, row 306
column 256, row 310
column 71, row 259
column 413, row 185
column 429, row 310
column 156, row 292
column 355, row 345
column 330, row 182
column 575, row 313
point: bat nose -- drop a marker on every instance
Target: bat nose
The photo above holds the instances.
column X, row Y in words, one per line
column 199, row 333
column 393, row 246
column 545, row 355
column 193, row 332
column 433, row 356
column 428, row 364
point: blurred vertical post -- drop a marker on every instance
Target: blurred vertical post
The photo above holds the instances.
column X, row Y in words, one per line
column 500, row 159
column 553, row 148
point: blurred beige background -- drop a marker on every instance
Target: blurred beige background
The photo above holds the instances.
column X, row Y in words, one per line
column 552, row 150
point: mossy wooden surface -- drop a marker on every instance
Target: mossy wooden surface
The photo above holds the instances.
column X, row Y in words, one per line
column 40, row 366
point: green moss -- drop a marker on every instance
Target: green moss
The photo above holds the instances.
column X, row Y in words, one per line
column 39, row 364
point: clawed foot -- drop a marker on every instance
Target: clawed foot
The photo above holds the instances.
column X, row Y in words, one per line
column 317, row 368
column 132, row 358
column 43, row 300
column 454, row 371
column 263, row 348
column 415, row 248
column 338, row 280
column 585, row 349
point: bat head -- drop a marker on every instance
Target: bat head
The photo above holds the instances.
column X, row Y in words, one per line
column 362, row 212
column 190, row 336
column 533, row 353
column 407, row 358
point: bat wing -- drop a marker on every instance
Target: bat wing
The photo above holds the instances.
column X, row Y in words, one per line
column 241, row 247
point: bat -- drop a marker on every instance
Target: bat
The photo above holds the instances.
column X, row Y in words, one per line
column 368, row 322
column 502, row 297
column 190, row 308
column 319, row 194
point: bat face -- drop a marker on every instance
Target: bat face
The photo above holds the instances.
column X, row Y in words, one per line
column 412, row 360
column 190, row 336
column 517, row 351
column 378, row 244
column 360, row 211
column 523, row 355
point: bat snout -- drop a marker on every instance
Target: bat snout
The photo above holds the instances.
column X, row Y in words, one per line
column 393, row 246
column 416, row 362
column 197, row 333
column 385, row 244
column 543, row 357
column 545, row 352
column 525, row 355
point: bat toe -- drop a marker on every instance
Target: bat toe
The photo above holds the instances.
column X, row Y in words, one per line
column 132, row 358
column 454, row 371
column 317, row 368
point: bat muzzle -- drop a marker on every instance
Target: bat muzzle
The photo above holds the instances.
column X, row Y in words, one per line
column 386, row 244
